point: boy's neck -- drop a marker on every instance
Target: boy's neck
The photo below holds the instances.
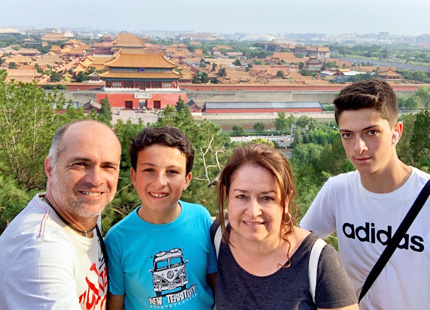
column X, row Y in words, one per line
column 387, row 181
column 156, row 217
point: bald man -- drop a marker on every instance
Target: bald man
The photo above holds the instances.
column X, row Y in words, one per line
column 52, row 254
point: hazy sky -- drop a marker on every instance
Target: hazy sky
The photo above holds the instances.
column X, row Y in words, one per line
column 224, row 16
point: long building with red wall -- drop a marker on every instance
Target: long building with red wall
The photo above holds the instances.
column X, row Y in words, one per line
column 261, row 107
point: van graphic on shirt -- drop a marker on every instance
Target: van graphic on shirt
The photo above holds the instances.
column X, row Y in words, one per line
column 169, row 271
column 169, row 279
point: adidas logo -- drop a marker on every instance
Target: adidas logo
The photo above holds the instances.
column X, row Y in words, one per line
column 368, row 233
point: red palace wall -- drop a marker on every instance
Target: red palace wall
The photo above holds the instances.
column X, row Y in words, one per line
column 156, row 101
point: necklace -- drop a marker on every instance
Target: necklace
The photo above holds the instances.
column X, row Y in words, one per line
column 82, row 232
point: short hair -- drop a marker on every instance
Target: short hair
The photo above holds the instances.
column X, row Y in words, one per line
column 167, row 136
column 368, row 94
column 269, row 158
column 55, row 150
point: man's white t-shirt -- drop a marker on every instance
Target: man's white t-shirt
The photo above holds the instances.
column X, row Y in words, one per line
column 44, row 264
column 364, row 221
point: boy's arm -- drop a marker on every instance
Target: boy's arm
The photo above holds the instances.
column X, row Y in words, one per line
column 116, row 302
column 320, row 216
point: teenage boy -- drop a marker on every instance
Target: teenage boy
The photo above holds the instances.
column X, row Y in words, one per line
column 161, row 255
column 367, row 206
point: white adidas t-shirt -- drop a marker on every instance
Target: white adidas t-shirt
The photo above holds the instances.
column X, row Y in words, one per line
column 364, row 221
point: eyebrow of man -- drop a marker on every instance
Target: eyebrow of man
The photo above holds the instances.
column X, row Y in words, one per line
column 88, row 160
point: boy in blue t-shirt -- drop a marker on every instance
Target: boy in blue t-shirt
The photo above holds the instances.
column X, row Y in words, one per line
column 161, row 255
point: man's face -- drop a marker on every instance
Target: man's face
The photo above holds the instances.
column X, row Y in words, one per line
column 84, row 178
column 368, row 140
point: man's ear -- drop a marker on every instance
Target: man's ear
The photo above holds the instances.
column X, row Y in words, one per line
column 48, row 167
column 188, row 178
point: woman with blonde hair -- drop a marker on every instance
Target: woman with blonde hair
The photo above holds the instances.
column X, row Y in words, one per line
column 263, row 260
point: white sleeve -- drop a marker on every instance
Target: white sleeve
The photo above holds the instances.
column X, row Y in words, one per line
column 320, row 217
column 42, row 277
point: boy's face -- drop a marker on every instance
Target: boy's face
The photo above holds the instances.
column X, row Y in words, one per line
column 368, row 140
column 160, row 178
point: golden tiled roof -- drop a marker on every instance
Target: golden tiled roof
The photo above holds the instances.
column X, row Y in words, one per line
column 140, row 61
column 139, row 75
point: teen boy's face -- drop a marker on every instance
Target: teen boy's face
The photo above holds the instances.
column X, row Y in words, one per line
column 160, row 178
column 368, row 140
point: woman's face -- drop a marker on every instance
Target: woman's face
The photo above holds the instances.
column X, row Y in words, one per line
column 254, row 205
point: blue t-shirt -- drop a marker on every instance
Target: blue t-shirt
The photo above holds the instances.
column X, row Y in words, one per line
column 162, row 266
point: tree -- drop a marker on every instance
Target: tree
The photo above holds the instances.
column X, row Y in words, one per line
column 412, row 103
column 237, row 129
column 401, row 102
column 82, row 77
column 214, row 66
column 419, row 144
column 237, row 62
column 13, row 65
column 424, row 94
column 280, row 74
column 105, row 113
column 259, row 127
column 222, row 72
column 210, row 153
column 281, row 122
column 200, row 78
column 180, row 105
column 55, row 77
column 27, row 124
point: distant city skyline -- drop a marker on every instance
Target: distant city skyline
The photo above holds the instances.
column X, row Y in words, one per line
column 275, row 17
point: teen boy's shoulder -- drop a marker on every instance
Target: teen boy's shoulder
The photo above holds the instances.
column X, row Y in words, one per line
column 343, row 180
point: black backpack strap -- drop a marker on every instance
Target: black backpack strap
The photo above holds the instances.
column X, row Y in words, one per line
column 395, row 240
column 105, row 257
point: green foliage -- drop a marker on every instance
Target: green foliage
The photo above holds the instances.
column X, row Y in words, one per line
column 238, row 129
column 419, row 76
column 424, row 94
column 280, row 74
column 210, row 152
column 259, row 127
column 222, row 72
column 27, row 124
column 281, row 122
column 420, row 140
column 237, row 62
column 13, row 65
column 12, row 200
column 55, row 77
column 361, row 77
column 180, row 104
column 401, row 102
column 263, row 141
column 412, row 103
column 105, row 113
column 126, row 199
column 82, row 77
column 201, row 78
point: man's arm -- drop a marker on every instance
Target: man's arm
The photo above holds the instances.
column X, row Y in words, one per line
column 116, row 302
